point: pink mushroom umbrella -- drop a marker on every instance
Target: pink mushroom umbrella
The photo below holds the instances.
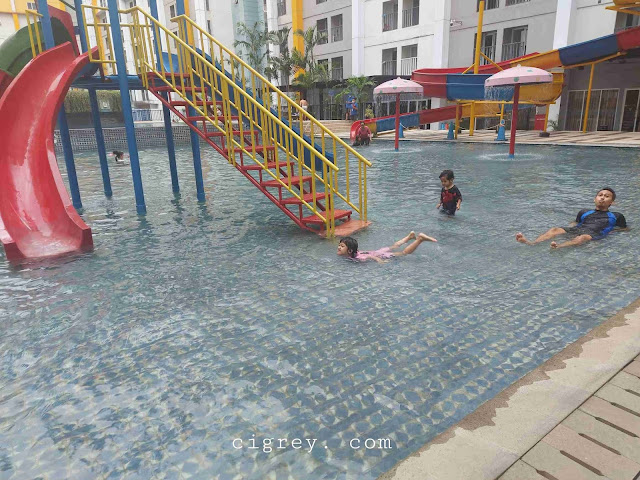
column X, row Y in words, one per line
column 515, row 77
column 396, row 88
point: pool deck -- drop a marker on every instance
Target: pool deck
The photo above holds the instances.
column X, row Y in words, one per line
column 524, row 137
column 575, row 417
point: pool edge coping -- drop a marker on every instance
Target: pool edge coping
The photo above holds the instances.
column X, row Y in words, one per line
column 484, row 444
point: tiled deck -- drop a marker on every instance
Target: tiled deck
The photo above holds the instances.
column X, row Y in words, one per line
column 576, row 417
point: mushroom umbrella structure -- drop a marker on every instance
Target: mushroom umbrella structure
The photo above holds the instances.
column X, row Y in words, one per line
column 396, row 88
column 513, row 78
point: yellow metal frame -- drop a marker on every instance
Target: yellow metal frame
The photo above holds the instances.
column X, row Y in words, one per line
column 193, row 67
column 34, row 32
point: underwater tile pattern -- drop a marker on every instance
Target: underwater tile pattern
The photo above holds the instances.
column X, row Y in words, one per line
column 197, row 325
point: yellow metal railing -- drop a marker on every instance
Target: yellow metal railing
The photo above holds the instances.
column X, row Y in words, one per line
column 34, row 28
column 247, row 95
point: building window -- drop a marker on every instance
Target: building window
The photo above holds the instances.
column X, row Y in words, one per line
column 389, row 61
column 320, row 1
column 490, row 4
column 514, row 43
column 209, row 27
column 282, row 7
column 336, row 68
column 411, row 13
column 625, row 21
column 32, row 6
column 336, row 28
column 390, row 15
column 172, row 10
column 488, row 46
column 602, row 110
column 206, row 5
column 324, row 64
column 515, row 2
column 323, row 34
column 409, row 59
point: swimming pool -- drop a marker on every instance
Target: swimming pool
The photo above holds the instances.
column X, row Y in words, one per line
column 200, row 325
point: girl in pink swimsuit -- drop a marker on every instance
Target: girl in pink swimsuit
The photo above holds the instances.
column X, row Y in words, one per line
column 349, row 247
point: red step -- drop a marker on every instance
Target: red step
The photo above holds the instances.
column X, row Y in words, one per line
column 294, row 181
column 236, row 133
column 308, row 197
column 270, row 165
column 258, row 148
column 316, row 220
column 178, row 88
column 202, row 118
column 198, row 101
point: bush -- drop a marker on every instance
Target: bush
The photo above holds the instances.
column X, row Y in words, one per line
column 77, row 100
column 368, row 113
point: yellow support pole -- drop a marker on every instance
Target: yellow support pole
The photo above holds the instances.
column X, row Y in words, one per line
column 586, row 110
column 458, row 112
column 476, row 64
column 297, row 23
column 546, row 118
column 502, row 112
column 189, row 29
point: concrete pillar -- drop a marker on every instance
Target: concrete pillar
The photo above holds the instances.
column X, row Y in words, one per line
column 357, row 37
column 563, row 36
column 440, row 53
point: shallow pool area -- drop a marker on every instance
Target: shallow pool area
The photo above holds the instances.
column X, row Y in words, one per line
column 193, row 334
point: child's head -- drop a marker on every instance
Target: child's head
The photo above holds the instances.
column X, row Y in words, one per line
column 446, row 178
column 604, row 198
column 348, row 246
column 119, row 155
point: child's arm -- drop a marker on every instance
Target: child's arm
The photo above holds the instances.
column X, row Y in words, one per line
column 458, row 205
column 438, row 205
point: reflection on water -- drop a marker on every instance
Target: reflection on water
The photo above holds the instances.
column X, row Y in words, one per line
column 198, row 324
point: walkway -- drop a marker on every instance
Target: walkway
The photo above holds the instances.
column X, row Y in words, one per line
column 576, row 417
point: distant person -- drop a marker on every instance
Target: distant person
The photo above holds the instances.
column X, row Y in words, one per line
column 590, row 224
column 119, row 156
column 304, row 105
column 348, row 247
column 450, row 196
column 363, row 135
column 352, row 110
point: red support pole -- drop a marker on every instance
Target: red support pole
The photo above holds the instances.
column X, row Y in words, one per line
column 397, row 121
column 514, row 121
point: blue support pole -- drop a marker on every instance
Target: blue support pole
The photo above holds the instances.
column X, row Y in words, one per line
column 195, row 140
column 95, row 111
column 450, row 133
column 47, row 32
column 134, row 160
column 166, row 113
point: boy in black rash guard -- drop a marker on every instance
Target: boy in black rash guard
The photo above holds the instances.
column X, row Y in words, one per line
column 590, row 225
column 450, row 196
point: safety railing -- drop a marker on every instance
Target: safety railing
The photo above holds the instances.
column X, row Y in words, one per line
column 245, row 92
column 34, row 29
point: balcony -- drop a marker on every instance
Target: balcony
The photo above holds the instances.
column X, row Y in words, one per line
column 513, row 50
column 336, row 33
column 515, row 2
column 410, row 17
column 489, row 51
column 389, row 21
column 282, row 8
column 408, row 65
column 389, row 67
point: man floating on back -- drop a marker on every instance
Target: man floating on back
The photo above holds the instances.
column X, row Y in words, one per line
column 590, row 224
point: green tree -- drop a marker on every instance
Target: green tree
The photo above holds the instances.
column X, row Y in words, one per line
column 359, row 87
column 254, row 44
column 311, row 38
column 282, row 65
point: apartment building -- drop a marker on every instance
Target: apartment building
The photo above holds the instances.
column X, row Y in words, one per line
column 12, row 15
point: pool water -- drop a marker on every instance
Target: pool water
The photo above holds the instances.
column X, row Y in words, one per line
column 200, row 324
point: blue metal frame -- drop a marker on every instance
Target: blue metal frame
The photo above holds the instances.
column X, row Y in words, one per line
column 49, row 42
column 195, row 139
column 95, row 111
column 134, row 160
column 166, row 113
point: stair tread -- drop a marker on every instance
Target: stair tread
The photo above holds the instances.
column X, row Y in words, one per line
column 270, row 165
column 199, row 101
column 187, row 89
column 308, row 197
column 259, row 148
column 275, row 183
column 202, row 118
column 315, row 219
column 246, row 133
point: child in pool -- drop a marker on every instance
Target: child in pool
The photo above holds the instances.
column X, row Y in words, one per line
column 119, row 156
column 450, row 196
column 349, row 247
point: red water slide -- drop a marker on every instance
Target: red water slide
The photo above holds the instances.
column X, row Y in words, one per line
column 37, row 218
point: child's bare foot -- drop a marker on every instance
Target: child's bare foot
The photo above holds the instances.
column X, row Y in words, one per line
column 554, row 245
column 412, row 235
column 426, row 237
column 522, row 239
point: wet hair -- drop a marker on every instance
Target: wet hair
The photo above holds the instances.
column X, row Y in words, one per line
column 447, row 173
column 613, row 194
column 118, row 154
column 351, row 244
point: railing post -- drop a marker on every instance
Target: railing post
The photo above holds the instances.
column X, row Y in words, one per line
column 166, row 113
column 195, row 139
column 49, row 42
column 134, row 160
